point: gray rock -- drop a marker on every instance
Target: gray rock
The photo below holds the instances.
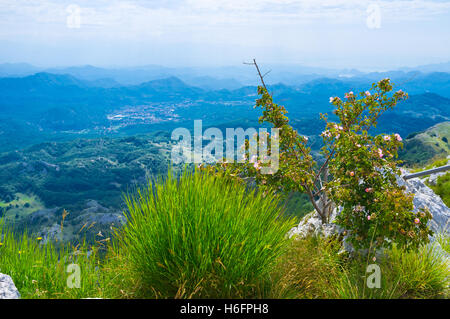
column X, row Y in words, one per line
column 424, row 197
column 52, row 232
column 312, row 224
column 438, row 251
column 432, row 179
column 101, row 218
column 7, row 288
column 42, row 215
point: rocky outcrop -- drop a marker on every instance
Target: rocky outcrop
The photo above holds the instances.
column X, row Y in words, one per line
column 96, row 213
column 432, row 180
column 312, row 224
column 7, row 288
column 424, row 197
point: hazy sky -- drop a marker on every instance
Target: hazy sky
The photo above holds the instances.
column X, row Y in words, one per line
column 330, row 33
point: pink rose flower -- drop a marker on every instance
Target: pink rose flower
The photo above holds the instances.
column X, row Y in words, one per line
column 417, row 221
column 349, row 95
column 398, row 137
column 380, row 153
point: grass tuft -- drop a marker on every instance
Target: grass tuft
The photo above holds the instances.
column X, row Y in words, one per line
column 202, row 236
column 39, row 270
column 313, row 268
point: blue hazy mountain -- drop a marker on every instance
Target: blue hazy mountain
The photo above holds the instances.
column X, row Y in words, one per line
column 46, row 106
column 17, row 69
column 429, row 68
column 217, row 78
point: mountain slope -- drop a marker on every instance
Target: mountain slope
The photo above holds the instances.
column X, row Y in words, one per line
column 85, row 177
column 421, row 147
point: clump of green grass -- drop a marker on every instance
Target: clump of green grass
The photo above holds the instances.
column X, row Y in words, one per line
column 442, row 188
column 307, row 269
column 39, row 270
column 202, row 236
column 313, row 268
column 421, row 274
column 444, row 241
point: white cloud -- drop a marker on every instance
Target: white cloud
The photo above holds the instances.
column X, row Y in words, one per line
column 291, row 26
column 111, row 12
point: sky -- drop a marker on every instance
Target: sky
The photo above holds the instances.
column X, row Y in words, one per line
column 363, row 34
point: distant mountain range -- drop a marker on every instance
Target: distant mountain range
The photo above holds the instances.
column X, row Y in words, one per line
column 214, row 78
column 47, row 107
column 428, row 68
column 115, row 77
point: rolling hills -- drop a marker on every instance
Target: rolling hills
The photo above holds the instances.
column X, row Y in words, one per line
column 77, row 141
column 54, row 107
column 85, row 177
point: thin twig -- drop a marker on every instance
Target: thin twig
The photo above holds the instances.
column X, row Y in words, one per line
column 259, row 72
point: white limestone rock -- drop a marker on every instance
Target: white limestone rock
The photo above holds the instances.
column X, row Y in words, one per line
column 424, row 197
column 312, row 224
column 432, row 179
column 7, row 288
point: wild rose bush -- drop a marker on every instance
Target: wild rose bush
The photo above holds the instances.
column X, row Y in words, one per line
column 375, row 209
column 358, row 174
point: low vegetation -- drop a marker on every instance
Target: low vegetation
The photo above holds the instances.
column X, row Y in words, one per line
column 203, row 236
column 69, row 175
column 315, row 268
column 442, row 188
column 39, row 270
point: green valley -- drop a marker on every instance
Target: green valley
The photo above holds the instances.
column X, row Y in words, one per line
column 87, row 178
